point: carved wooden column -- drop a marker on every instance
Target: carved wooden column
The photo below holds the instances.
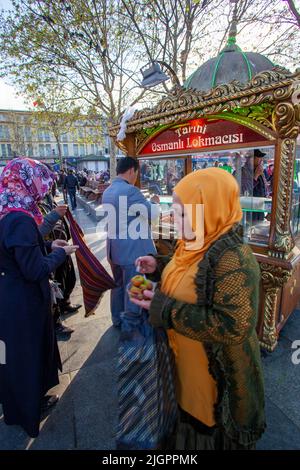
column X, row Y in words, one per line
column 286, row 119
column 273, row 279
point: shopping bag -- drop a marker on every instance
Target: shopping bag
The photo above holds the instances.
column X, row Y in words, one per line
column 146, row 385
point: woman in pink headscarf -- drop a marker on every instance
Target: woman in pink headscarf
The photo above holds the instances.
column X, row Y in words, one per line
column 30, row 362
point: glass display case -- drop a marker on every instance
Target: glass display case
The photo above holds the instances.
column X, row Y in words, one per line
column 160, row 176
column 253, row 173
column 295, row 214
column 253, row 169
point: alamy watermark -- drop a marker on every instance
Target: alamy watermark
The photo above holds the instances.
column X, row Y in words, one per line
column 2, row 353
column 144, row 221
column 296, row 353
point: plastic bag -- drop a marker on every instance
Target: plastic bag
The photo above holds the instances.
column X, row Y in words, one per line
column 146, row 385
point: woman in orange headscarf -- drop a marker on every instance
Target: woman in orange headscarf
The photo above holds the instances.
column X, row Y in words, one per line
column 207, row 301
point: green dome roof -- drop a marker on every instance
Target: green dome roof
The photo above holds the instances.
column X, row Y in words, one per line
column 231, row 64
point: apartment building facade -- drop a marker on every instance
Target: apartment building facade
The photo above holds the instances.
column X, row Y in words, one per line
column 85, row 145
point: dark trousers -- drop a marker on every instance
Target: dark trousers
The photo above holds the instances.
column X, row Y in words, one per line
column 66, row 277
column 119, row 297
column 72, row 196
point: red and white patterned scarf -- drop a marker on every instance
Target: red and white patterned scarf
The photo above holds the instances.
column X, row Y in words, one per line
column 23, row 184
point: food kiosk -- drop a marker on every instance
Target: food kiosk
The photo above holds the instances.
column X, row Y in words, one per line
column 228, row 125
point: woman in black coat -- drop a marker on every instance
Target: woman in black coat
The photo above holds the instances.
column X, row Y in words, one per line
column 32, row 358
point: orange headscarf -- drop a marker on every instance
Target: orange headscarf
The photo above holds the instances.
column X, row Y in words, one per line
column 218, row 192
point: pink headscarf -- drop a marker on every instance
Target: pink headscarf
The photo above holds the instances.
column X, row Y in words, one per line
column 23, row 184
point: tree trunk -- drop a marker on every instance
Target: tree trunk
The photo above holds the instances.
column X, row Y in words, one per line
column 61, row 163
column 113, row 159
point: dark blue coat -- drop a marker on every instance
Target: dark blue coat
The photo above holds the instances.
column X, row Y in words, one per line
column 26, row 324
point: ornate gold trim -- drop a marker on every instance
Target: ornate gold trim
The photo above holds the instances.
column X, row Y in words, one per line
column 184, row 104
column 273, row 278
column 270, row 335
column 247, row 122
column 274, row 275
column 287, row 117
column 283, row 240
column 144, row 135
column 122, row 147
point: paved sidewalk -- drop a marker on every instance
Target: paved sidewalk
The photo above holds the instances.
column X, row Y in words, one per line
column 85, row 417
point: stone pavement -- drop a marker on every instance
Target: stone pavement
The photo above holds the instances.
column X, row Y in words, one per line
column 86, row 415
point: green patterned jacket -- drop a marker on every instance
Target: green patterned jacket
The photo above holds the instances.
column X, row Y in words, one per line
column 224, row 320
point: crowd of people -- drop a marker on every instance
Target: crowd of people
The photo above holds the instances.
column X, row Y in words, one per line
column 206, row 302
column 83, row 176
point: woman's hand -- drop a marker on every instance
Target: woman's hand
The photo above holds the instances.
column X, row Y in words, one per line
column 155, row 199
column 146, row 264
column 59, row 244
column 149, row 294
column 61, row 210
column 70, row 249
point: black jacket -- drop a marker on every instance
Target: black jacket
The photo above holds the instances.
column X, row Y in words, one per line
column 71, row 182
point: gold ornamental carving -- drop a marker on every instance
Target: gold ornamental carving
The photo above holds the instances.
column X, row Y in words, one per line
column 283, row 241
column 269, row 334
column 287, row 115
column 273, row 278
column 183, row 104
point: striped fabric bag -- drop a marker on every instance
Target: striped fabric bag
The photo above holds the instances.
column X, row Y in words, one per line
column 146, row 386
column 94, row 279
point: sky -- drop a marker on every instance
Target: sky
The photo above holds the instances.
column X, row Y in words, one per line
column 8, row 98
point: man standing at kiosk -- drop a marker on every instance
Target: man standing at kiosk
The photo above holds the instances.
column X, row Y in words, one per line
column 122, row 249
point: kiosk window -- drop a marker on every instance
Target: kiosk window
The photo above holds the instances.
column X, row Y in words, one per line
column 295, row 216
column 253, row 169
column 160, row 176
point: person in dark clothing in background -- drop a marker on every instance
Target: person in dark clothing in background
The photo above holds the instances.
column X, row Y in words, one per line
column 55, row 227
column 83, row 180
column 60, row 184
column 70, row 185
column 253, row 181
column 260, row 185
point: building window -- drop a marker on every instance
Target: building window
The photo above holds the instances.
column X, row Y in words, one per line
column 4, row 132
column 27, row 131
column 66, row 150
column 48, row 150
column 47, row 135
column 3, row 151
column 9, row 152
column 64, row 137
column 30, row 150
column 40, row 134
column 41, row 150
column 93, row 149
column 82, row 150
column 75, row 150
